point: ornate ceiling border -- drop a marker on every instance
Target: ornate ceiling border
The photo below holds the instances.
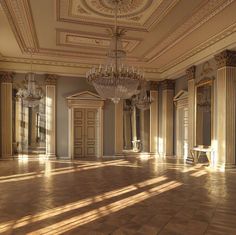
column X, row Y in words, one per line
column 130, row 43
column 20, row 17
column 204, row 13
column 213, row 40
column 59, row 67
column 156, row 17
column 23, row 28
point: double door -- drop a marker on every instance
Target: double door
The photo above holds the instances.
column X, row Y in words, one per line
column 85, row 132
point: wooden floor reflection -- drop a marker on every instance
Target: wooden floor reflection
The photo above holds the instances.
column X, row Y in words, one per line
column 115, row 196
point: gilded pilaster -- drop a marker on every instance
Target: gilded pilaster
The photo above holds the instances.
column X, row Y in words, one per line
column 167, row 129
column 191, row 75
column 226, row 109
column 6, row 113
column 51, row 81
column 154, row 117
column 119, row 128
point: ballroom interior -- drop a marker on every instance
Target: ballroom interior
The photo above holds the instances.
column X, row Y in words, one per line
column 118, row 117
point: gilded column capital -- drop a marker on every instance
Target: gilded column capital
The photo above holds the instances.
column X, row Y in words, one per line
column 167, row 84
column 6, row 77
column 191, row 72
column 51, row 79
column 226, row 58
column 153, row 85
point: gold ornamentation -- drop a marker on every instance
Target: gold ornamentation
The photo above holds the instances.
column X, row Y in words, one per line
column 168, row 84
column 226, row 58
column 51, row 79
column 6, row 77
column 206, row 68
column 153, row 85
column 191, row 73
column 105, row 8
column 204, row 14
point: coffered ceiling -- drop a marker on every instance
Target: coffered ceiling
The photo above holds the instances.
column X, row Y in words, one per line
column 69, row 36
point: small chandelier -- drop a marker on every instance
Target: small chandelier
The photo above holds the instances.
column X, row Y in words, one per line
column 31, row 93
column 115, row 80
column 142, row 101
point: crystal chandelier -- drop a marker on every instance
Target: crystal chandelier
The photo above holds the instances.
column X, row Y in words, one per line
column 142, row 101
column 31, row 93
column 115, row 80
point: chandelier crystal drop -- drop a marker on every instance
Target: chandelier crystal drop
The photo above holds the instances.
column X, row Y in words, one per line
column 142, row 101
column 31, row 93
column 115, row 80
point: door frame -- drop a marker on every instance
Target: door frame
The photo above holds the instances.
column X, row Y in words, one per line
column 86, row 100
column 181, row 106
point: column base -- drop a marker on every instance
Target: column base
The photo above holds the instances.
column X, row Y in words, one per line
column 6, row 157
column 51, row 156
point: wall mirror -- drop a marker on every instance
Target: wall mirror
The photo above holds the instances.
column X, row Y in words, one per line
column 204, row 108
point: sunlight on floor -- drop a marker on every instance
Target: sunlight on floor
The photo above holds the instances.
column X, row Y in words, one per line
column 52, row 172
column 76, row 221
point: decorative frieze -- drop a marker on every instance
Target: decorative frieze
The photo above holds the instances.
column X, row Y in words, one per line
column 51, row 79
column 168, row 85
column 6, row 77
column 226, row 58
column 191, row 72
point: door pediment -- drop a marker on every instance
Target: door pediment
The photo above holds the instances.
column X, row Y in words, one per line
column 85, row 99
column 85, row 95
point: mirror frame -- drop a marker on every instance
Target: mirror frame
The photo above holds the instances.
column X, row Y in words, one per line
column 203, row 82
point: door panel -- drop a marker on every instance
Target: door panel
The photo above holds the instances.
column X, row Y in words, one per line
column 90, row 149
column 85, row 142
column 79, row 132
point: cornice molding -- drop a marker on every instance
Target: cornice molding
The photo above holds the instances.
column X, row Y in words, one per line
column 6, row 77
column 212, row 41
column 201, row 16
column 226, row 58
column 191, row 72
column 51, row 79
column 20, row 17
column 167, row 84
column 59, row 67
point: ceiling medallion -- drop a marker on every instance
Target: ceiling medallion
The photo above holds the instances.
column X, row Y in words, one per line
column 126, row 8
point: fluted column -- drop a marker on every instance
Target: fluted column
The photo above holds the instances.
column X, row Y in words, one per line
column 51, row 81
column 191, row 75
column 6, row 114
column 154, row 117
column 119, row 128
column 142, row 130
column 225, row 106
column 167, row 87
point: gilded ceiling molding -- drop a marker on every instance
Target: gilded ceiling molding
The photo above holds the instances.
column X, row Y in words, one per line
column 204, row 14
column 167, row 84
column 99, row 13
column 6, row 77
column 51, row 79
column 191, row 72
column 86, row 40
column 218, row 37
column 226, row 58
column 153, row 85
column 19, row 15
column 59, row 63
